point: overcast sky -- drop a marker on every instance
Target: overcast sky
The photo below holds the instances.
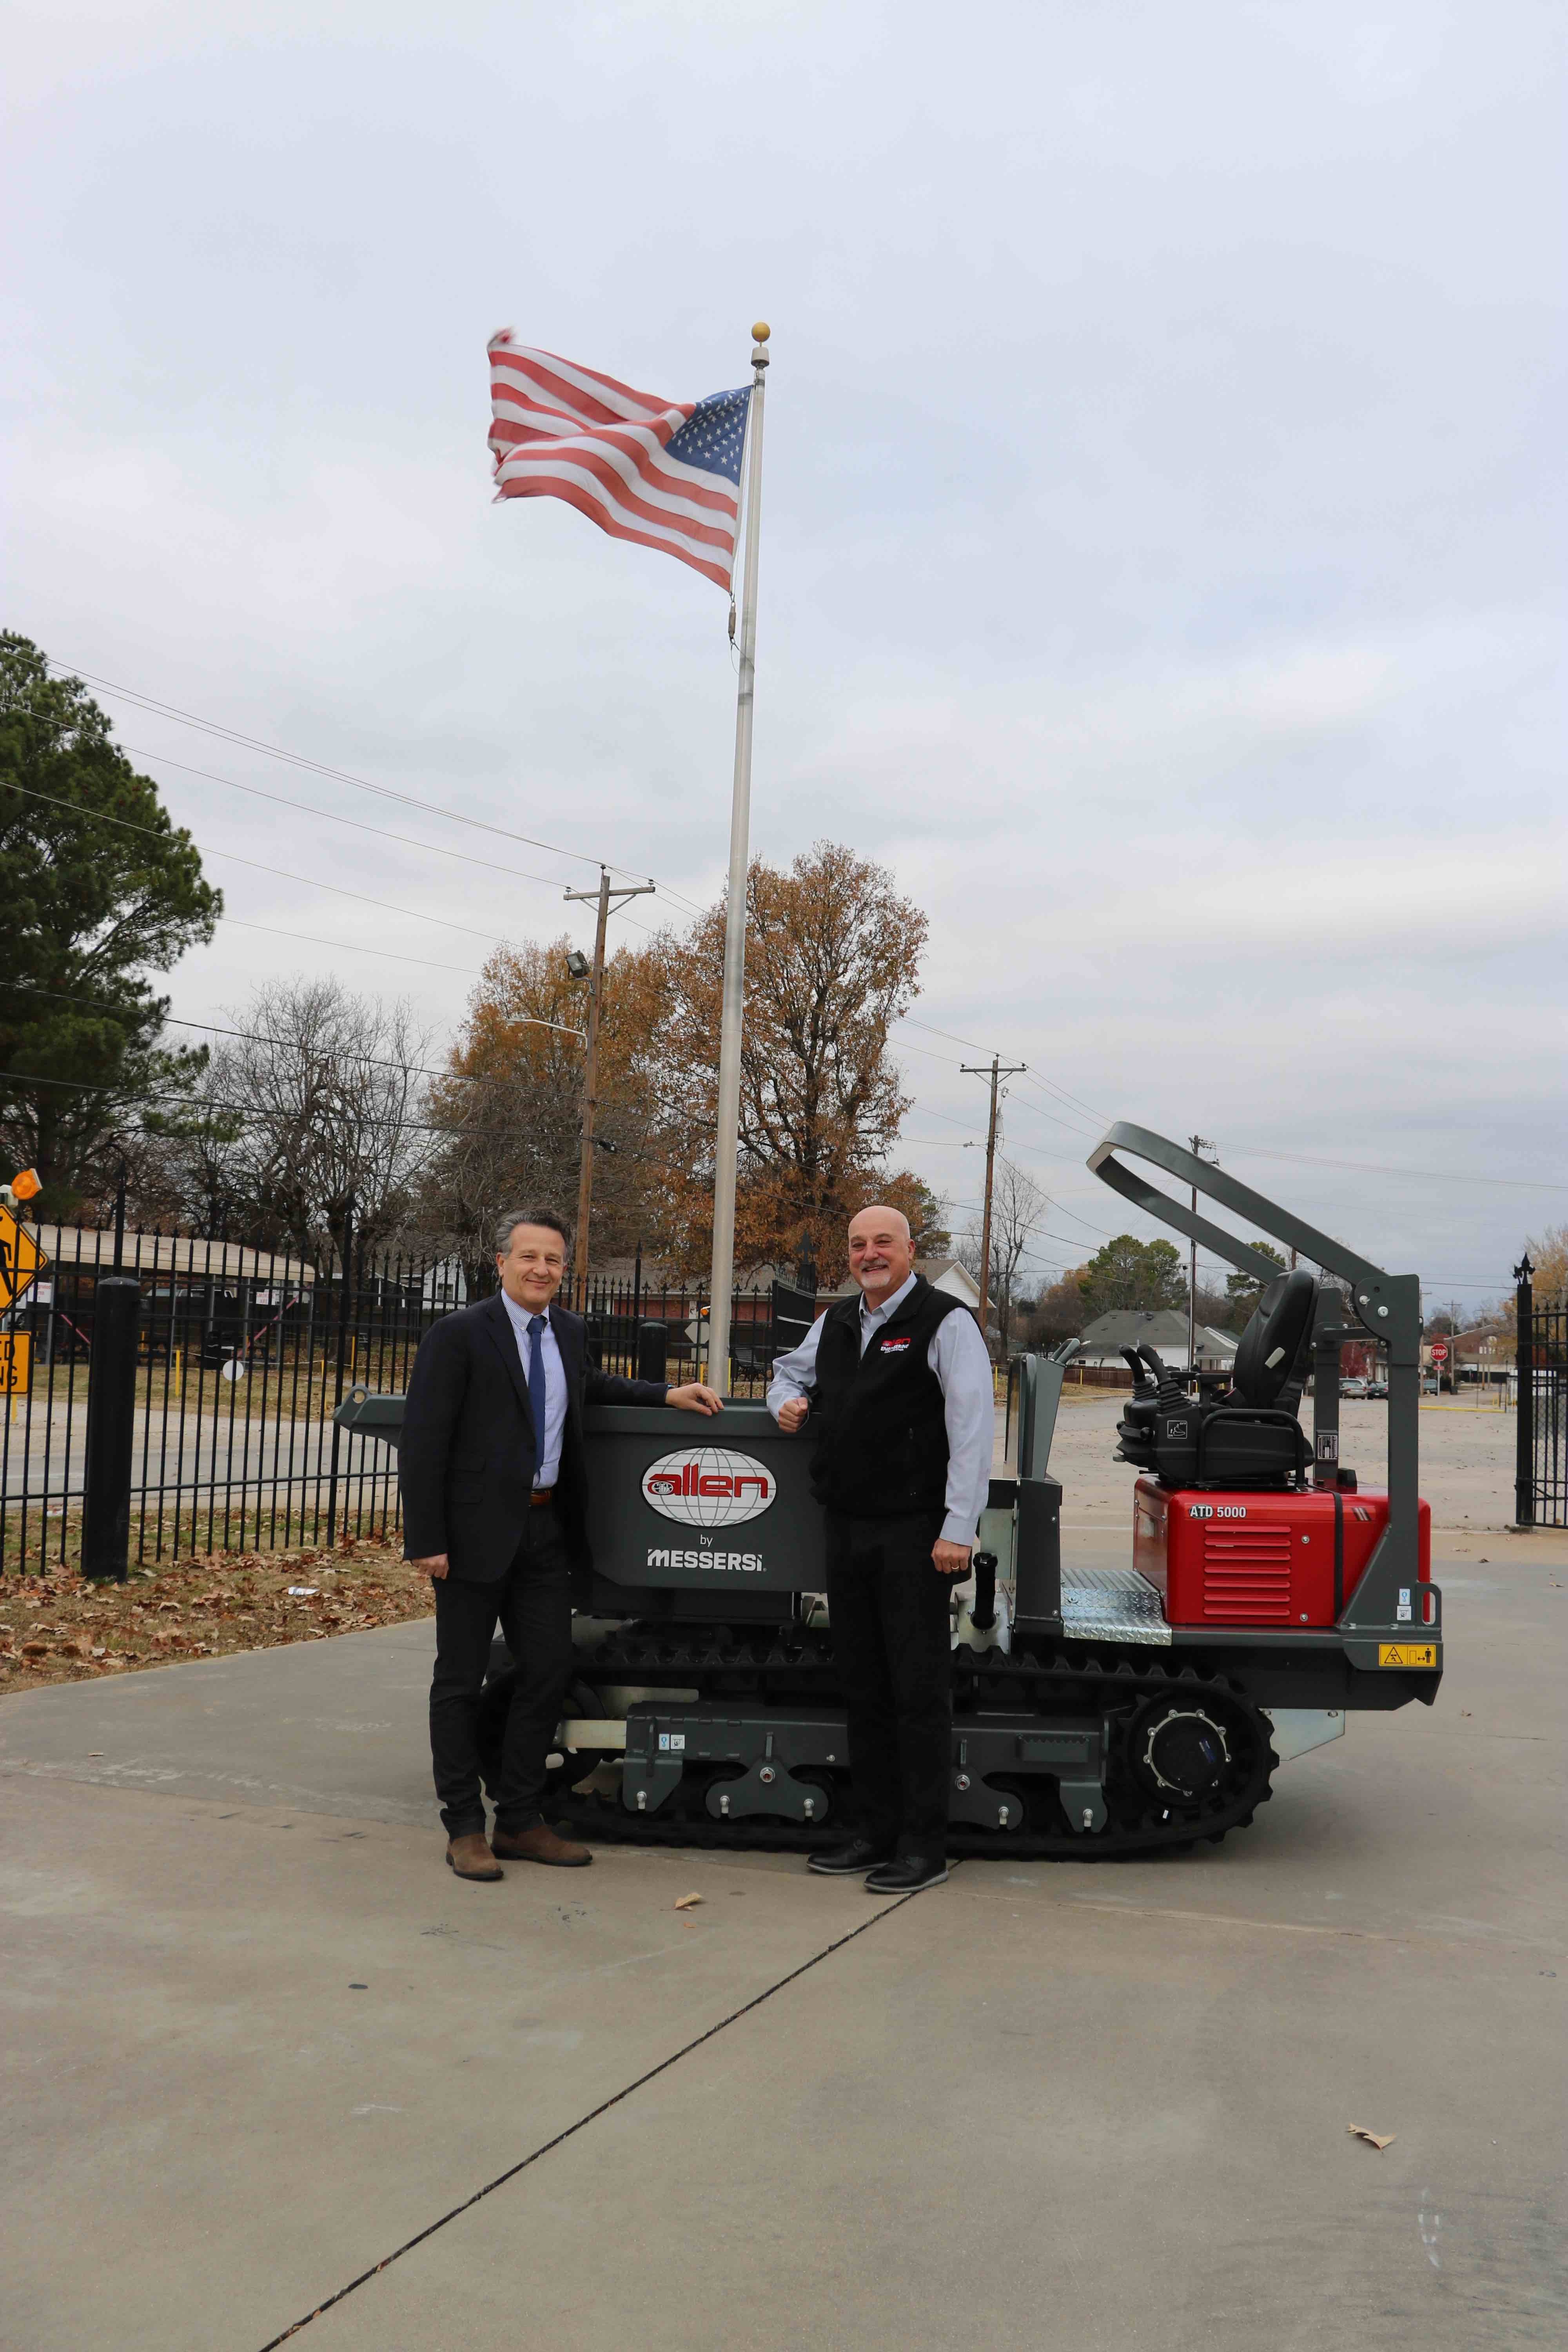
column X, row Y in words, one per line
column 1159, row 565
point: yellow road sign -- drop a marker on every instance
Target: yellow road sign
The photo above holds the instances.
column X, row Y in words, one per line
column 21, row 1259
column 16, row 1363
column 1407, row 1654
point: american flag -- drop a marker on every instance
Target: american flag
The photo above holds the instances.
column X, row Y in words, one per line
column 664, row 472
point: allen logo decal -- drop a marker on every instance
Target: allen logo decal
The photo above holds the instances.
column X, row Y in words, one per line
column 707, row 1486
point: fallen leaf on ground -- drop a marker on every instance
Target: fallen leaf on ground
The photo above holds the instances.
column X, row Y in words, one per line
column 1373, row 2139
column 685, row 1901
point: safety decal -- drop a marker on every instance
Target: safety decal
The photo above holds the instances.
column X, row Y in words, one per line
column 1407, row 1654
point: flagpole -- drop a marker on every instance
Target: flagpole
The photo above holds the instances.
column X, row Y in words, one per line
column 726, row 1138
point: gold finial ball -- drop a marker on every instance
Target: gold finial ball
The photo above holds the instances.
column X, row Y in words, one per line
column 760, row 331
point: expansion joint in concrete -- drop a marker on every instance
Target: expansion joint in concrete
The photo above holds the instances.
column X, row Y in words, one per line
column 604, row 2108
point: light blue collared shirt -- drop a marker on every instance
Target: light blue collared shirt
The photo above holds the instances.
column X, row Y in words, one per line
column 549, row 1442
column 959, row 1357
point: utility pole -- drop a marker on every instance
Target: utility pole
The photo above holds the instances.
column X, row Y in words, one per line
column 996, row 1072
column 601, row 897
column 1200, row 1143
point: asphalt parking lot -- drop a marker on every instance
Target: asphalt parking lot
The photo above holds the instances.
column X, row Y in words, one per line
column 268, row 2064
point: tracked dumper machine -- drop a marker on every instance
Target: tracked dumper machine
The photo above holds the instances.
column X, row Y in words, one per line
column 1096, row 1711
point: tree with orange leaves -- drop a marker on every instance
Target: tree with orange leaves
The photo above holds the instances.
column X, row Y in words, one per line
column 833, row 957
column 511, row 1109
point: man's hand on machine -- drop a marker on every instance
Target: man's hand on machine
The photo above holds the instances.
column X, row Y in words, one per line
column 692, row 1397
column 435, row 1566
column 949, row 1558
column 792, row 1416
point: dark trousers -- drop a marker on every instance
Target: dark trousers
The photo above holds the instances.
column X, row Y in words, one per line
column 533, row 1602
column 892, row 1648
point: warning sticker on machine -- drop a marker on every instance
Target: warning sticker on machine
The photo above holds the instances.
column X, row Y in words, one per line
column 1407, row 1654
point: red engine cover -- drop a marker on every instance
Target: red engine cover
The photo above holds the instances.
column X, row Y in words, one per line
column 1257, row 1560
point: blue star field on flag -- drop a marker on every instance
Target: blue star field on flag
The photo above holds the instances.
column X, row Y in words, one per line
column 714, row 434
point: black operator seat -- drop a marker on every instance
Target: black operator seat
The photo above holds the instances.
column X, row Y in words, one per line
column 1249, row 1437
column 1271, row 1357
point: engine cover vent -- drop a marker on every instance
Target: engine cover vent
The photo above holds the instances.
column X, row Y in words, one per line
column 1247, row 1574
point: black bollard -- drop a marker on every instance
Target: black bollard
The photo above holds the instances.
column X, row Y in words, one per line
column 111, row 1429
column 653, row 1350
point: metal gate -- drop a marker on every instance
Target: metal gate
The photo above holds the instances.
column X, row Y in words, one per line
column 1540, row 1471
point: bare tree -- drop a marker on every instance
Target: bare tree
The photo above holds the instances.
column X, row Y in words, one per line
column 1018, row 1209
column 509, row 1109
column 321, row 1100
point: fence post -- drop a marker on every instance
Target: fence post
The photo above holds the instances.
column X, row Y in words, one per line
column 111, row 1429
column 653, row 1350
column 1524, row 1424
column 344, row 1312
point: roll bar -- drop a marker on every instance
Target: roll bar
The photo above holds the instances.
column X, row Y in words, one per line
column 1277, row 1223
column 1389, row 1604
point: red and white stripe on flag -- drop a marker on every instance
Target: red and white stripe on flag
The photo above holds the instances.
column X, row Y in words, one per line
column 560, row 431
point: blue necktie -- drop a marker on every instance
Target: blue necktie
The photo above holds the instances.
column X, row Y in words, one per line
column 536, row 1394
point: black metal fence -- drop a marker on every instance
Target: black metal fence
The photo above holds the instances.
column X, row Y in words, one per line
column 1541, row 1469
column 242, row 1356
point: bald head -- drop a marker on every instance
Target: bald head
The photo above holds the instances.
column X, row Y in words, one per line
column 882, row 1252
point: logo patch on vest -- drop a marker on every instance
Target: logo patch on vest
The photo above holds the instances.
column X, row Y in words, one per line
column 895, row 1346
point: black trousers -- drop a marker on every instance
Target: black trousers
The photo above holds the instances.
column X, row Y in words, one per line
column 533, row 1602
column 892, row 1648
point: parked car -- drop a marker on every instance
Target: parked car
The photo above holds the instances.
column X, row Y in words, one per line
column 1377, row 1388
column 1354, row 1388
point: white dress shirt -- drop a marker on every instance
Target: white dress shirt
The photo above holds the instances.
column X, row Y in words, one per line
column 959, row 1357
column 549, row 1442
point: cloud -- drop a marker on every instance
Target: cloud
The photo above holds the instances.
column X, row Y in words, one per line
column 1154, row 567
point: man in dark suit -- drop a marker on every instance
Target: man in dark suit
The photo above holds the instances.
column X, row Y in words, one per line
column 491, row 1466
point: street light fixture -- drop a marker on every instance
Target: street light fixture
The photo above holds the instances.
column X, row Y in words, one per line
column 577, row 964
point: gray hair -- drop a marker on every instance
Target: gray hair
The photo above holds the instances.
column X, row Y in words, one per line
column 507, row 1223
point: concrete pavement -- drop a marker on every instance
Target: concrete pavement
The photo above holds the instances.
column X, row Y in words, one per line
column 258, row 2040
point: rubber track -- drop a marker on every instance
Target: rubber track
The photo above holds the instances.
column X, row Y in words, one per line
column 1038, row 1677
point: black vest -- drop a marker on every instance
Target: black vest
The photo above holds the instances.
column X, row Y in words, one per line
column 881, row 1434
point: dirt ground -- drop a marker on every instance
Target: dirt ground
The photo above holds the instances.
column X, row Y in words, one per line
column 55, row 1629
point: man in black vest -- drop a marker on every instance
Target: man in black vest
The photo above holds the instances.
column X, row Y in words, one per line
column 897, row 1382
column 491, row 1468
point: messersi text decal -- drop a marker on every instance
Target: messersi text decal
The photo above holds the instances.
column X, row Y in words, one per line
column 707, row 1486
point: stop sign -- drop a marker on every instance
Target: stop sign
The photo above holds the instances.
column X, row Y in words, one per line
column 1439, row 1352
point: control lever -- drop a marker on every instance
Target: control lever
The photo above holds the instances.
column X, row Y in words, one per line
column 983, row 1608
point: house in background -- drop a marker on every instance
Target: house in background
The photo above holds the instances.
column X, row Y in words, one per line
column 1164, row 1329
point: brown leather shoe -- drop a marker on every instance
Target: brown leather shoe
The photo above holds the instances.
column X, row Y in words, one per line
column 470, row 1857
column 540, row 1843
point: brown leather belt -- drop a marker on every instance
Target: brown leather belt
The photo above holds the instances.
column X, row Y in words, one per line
column 541, row 1494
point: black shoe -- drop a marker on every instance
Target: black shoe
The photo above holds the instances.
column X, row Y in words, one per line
column 906, row 1873
column 850, row 1860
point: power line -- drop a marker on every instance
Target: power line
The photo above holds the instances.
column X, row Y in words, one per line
column 305, row 881
column 346, row 946
column 240, row 1110
column 1063, row 1094
column 308, row 808
column 318, row 767
column 1423, row 1175
column 296, row 1044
